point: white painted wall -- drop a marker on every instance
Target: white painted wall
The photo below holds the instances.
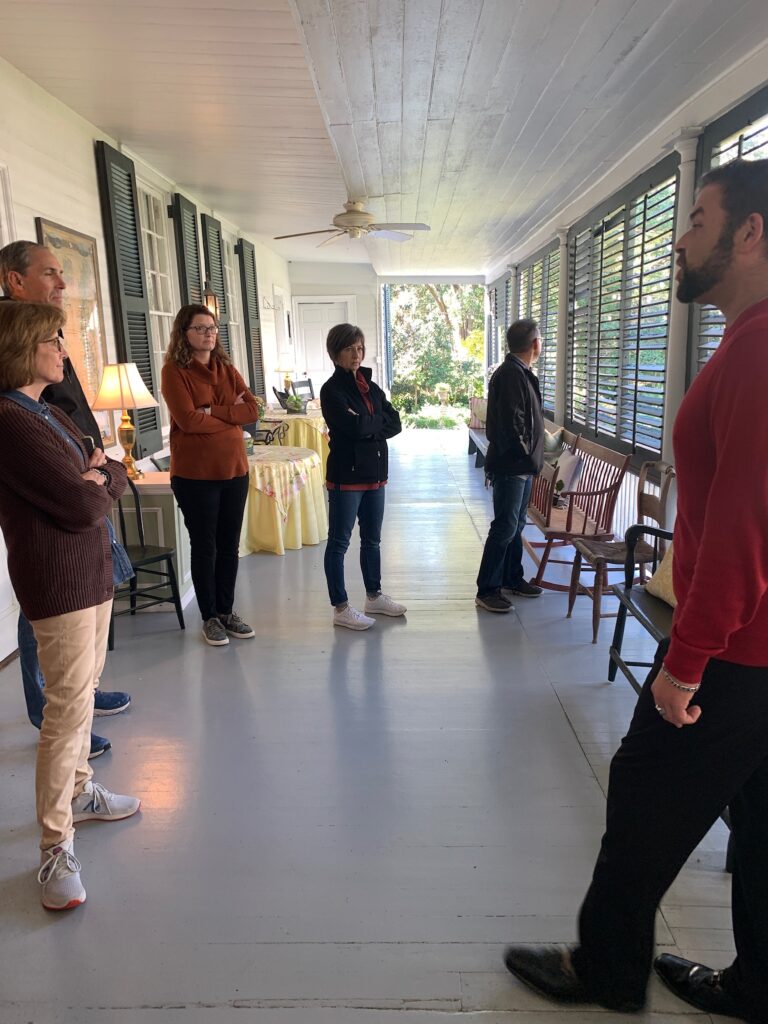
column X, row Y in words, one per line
column 49, row 169
column 358, row 279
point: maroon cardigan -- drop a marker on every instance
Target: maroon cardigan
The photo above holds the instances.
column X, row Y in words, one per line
column 59, row 555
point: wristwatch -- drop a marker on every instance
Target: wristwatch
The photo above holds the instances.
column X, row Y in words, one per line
column 104, row 473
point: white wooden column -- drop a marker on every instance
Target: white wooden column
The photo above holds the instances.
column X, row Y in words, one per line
column 677, row 342
column 561, row 365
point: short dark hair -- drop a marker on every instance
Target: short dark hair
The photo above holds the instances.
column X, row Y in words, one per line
column 15, row 258
column 743, row 188
column 521, row 335
column 342, row 336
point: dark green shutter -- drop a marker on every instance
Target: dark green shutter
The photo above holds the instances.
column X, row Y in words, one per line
column 127, row 283
column 214, row 272
column 184, row 216
column 251, row 316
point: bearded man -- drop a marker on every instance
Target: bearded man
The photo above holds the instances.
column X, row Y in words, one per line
column 698, row 740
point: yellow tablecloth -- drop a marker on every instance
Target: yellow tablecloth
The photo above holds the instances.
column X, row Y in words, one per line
column 305, row 430
column 286, row 500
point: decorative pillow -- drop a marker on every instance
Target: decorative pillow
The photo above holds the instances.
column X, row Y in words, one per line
column 660, row 584
column 553, row 442
column 569, row 467
column 478, row 411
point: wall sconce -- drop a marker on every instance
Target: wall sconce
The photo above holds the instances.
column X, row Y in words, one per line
column 210, row 300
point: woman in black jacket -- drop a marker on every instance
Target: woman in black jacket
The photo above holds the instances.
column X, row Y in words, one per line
column 360, row 419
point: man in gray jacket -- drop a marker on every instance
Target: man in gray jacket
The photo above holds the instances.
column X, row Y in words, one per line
column 515, row 429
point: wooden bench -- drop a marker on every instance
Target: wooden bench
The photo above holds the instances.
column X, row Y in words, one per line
column 654, row 615
column 478, row 445
column 585, row 511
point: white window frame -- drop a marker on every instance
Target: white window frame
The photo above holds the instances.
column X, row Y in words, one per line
column 153, row 239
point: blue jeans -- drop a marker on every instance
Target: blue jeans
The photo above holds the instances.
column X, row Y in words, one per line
column 343, row 508
column 31, row 676
column 502, row 562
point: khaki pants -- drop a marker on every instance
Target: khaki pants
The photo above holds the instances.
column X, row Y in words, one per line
column 71, row 649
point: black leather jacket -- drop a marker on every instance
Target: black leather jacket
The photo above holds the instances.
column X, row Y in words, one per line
column 514, row 424
column 358, row 439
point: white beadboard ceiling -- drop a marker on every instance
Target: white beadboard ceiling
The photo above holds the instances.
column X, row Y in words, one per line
column 481, row 118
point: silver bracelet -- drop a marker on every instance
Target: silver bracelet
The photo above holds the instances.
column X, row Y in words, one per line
column 678, row 686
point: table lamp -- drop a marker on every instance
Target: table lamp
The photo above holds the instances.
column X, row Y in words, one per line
column 122, row 388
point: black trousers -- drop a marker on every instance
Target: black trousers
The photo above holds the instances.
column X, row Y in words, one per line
column 667, row 787
column 213, row 514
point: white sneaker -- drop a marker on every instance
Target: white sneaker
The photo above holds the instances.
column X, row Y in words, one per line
column 352, row 618
column 59, row 876
column 96, row 803
column 383, row 605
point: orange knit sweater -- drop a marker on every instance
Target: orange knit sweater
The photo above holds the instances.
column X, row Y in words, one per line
column 207, row 447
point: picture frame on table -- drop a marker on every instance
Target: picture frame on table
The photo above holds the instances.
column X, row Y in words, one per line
column 84, row 335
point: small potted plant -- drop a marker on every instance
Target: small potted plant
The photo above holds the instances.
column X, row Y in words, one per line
column 295, row 404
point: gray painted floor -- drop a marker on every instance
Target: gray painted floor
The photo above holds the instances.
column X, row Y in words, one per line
column 339, row 827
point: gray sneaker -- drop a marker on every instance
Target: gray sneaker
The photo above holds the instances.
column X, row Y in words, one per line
column 494, row 603
column 235, row 626
column 59, row 876
column 96, row 803
column 214, row 633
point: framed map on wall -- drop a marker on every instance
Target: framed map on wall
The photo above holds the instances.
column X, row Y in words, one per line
column 84, row 330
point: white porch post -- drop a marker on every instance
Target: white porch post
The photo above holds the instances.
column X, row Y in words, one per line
column 561, row 365
column 677, row 342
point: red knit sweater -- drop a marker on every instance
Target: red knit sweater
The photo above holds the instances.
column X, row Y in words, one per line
column 207, row 447
column 59, row 554
column 720, row 566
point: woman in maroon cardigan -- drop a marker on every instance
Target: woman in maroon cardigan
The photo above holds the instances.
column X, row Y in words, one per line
column 209, row 402
column 54, row 499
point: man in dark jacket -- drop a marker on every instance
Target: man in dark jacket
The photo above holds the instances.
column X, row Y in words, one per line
column 29, row 272
column 515, row 429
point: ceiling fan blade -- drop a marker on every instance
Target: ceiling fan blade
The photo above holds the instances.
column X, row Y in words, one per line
column 400, row 227
column 392, row 236
column 333, row 238
column 301, row 234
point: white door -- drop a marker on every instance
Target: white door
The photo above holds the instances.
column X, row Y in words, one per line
column 315, row 319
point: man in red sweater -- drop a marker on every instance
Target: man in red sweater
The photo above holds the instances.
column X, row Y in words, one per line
column 698, row 740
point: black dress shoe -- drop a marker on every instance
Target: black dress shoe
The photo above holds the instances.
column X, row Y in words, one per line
column 542, row 969
column 700, row 986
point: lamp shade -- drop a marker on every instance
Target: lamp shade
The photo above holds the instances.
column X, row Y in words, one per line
column 122, row 388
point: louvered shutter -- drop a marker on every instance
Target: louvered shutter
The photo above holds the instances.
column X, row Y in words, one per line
column 127, row 283
column 214, row 272
column 646, row 317
column 579, row 292
column 539, row 281
column 507, row 302
column 249, row 283
column 184, row 216
column 550, row 296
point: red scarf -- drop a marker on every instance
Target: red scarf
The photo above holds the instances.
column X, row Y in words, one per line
column 364, row 387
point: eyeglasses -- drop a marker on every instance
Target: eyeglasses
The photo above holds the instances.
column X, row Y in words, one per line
column 54, row 341
column 204, row 330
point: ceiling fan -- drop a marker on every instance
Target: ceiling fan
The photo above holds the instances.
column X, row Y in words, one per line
column 357, row 223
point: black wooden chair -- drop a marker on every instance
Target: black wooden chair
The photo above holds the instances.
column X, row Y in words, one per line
column 266, row 436
column 282, row 397
column 142, row 556
column 303, row 388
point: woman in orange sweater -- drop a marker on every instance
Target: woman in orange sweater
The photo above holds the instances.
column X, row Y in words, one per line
column 209, row 402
